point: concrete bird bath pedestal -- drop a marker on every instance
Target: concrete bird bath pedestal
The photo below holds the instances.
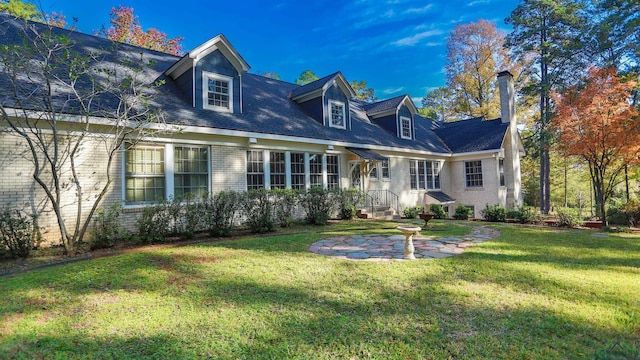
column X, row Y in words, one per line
column 408, row 231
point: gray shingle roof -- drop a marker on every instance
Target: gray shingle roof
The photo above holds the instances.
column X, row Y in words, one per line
column 314, row 85
column 267, row 107
column 379, row 106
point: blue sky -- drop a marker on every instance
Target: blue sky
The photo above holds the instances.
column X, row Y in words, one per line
column 397, row 46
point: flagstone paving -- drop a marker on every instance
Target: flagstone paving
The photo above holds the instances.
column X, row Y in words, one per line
column 388, row 247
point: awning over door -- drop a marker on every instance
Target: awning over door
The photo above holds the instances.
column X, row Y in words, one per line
column 367, row 154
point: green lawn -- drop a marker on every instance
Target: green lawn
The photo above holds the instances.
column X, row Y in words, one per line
column 532, row 293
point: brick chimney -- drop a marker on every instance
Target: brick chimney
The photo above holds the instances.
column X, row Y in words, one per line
column 512, row 140
column 507, row 97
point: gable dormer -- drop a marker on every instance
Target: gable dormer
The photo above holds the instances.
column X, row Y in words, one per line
column 211, row 76
column 395, row 115
column 326, row 100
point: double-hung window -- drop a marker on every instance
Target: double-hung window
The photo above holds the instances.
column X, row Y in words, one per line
column 191, row 170
column 405, row 127
column 218, row 92
column 337, row 116
column 424, row 174
column 384, row 167
column 255, row 169
column 297, row 171
column 333, row 175
column 144, row 174
column 473, row 173
column 315, row 169
column 278, row 170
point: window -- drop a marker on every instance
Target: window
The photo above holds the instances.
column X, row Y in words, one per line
column 424, row 174
column 333, row 175
column 144, row 175
column 373, row 174
column 278, row 172
column 337, row 114
column 501, row 171
column 384, row 166
column 405, row 124
column 191, row 170
column 315, row 169
column 297, row 171
column 255, row 169
column 218, row 92
column 473, row 173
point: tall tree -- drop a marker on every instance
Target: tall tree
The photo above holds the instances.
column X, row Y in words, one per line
column 475, row 54
column 306, row 77
column 125, row 27
column 597, row 123
column 363, row 92
column 440, row 101
column 50, row 79
column 22, row 9
column 548, row 31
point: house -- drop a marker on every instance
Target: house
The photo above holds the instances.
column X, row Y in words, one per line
column 242, row 131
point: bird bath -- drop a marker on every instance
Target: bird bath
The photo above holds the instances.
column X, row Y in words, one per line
column 408, row 232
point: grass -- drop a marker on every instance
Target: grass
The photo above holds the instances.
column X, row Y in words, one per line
column 531, row 293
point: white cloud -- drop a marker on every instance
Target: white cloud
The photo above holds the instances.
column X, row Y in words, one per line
column 415, row 39
column 419, row 10
column 392, row 91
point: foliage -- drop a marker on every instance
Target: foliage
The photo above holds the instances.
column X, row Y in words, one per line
column 220, row 211
column 150, row 226
column 363, row 92
column 439, row 101
column 569, row 217
column 546, row 40
column 272, row 75
column 125, row 28
column 494, row 213
column 411, row 212
column 615, row 216
column 258, row 210
column 475, row 53
column 462, row 213
column 617, row 229
column 597, row 123
column 47, row 61
column 107, row 228
column 349, row 201
column 285, row 201
column 522, row 214
column 632, row 210
column 17, row 232
column 22, row 9
column 438, row 211
column 306, row 77
column 318, row 204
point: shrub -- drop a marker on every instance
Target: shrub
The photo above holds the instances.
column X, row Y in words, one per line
column 350, row 201
column 616, row 216
column 285, row 201
column 521, row 214
column 411, row 212
column 107, row 228
column 568, row 217
column 618, row 229
column 220, row 210
column 462, row 213
column 318, row 204
column 494, row 213
column 258, row 210
column 17, row 232
column 632, row 210
column 151, row 225
column 438, row 211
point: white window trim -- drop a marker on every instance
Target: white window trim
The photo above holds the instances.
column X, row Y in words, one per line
column 169, row 171
column 466, row 182
column 344, row 115
column 434, row 174
column 388, row 177
column 402, row 119
column 205, row 91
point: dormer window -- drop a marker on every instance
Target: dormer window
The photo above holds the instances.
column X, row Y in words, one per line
column 218, row 92
column 405, row 123
column 337, row 119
